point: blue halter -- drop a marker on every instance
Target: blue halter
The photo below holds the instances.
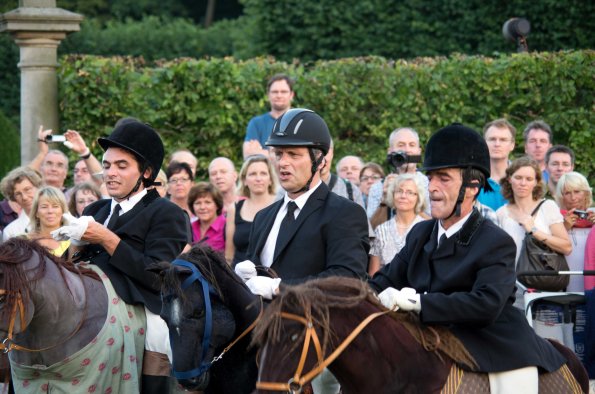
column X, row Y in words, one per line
column 206, row 339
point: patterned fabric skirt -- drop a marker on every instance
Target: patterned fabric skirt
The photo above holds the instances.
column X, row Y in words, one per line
column 110, row 363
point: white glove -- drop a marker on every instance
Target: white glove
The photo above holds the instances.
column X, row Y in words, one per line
column 264, row 286
column 245, row 270
column 406, row 299
column 73, row 228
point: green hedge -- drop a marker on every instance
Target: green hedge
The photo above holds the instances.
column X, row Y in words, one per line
column 204, row 105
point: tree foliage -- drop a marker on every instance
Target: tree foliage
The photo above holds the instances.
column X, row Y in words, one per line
column 330, row 29
column 204, row 105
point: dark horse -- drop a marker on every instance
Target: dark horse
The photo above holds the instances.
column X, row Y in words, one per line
column 52, row 313
column 302, row 328
column 206, row 306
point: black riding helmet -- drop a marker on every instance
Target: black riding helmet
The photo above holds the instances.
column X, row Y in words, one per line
column 458, row 146
column 142, row 141
column 302, row 127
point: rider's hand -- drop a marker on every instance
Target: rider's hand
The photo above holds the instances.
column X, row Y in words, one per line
column 245, row 270
column 264, row 286
column 406, row 299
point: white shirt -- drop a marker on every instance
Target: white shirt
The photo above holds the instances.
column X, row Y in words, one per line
column 268, row 251
column 125, row 205
column 19, row 226
column 452, row 229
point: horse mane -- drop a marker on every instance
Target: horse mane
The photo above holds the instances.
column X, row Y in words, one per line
column 314, row 300
column 206, row 260
column 16, row 251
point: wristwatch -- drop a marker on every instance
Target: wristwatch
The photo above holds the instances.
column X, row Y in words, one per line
column 533, row 229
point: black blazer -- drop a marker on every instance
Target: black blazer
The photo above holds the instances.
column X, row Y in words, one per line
column 328, row 238
column 470, row 285
column 154, row 230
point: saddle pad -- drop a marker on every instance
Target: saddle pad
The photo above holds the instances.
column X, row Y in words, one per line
column 465, row 382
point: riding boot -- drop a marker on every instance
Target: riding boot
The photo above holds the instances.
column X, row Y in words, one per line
column 155, row 384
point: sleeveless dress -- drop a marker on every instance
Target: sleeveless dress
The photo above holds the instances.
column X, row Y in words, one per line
column 241, row 235
column 110, row 363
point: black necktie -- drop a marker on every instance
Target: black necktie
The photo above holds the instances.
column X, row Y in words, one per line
column 286, row 224
column 114, row 217
column 441, row 240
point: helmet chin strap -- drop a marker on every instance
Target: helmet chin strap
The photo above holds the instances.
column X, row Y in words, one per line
column 314, row 169
column 456, row 211
column 138, row 183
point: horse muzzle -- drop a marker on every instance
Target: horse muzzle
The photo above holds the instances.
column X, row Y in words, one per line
column 196, row 383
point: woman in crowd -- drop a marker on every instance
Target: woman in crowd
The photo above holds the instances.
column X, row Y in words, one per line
column 523, row 187
column 407, row 196
column 179, row 182
column 162, row 179
column 82, row 195
column 258, row 183
column 206, row 203
column 46, row 216
column 370, row 174
column 574, row 196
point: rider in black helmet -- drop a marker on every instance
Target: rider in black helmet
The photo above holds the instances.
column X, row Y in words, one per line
column 458, row 269
column 134, row 229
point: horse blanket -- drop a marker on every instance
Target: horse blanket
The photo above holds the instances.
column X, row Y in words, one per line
column 110, row 363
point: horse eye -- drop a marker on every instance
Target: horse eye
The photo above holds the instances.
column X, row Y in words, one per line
column 198, row 313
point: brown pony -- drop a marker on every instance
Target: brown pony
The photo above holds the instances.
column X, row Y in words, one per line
column 393, row 353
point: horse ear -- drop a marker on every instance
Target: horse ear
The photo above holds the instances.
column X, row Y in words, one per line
column 158, row 268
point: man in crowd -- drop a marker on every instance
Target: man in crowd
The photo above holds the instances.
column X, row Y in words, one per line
column 404, row 140
column 559, row 160
column 134, row 229
column 20, row 185
column 185, row 156
column 460, row 272
column 339, row 185
column 223, row 175
column 349, row 167
column 280, row 94
column 538, row 138
column 499, row 135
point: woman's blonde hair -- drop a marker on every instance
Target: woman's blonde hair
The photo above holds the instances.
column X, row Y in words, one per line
column 243, row 189
column 422, row 192
column 54, row 195
column 573, row 181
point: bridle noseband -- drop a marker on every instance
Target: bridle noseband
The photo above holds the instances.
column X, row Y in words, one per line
column 207, row 289
column 296, row 383
column 18, row 307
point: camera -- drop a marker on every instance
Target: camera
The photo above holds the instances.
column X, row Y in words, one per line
column 55, row 138
column 581, row 214
column 400, row 158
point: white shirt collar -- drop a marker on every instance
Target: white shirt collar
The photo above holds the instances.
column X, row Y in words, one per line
column 454, row 228
column 129, row 203
column 302, row 199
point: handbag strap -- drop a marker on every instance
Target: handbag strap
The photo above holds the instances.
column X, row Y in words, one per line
column 537, row 207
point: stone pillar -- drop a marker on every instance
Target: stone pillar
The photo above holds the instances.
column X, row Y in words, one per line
column 38, row 27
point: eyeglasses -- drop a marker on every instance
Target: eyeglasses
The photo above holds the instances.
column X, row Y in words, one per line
column 179, row 180
column 493, row 140
column 371, row 177
column 406, row 193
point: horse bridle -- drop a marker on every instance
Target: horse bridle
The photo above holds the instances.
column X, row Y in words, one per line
column 207, row 289
column 297, row 382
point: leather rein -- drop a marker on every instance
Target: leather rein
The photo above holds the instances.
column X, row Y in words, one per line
column 297, row 382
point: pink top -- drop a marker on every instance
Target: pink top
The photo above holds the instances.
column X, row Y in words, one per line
column 214, row 236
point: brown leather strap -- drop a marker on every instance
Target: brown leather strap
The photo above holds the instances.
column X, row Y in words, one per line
column 297, row 382
column 155, row 364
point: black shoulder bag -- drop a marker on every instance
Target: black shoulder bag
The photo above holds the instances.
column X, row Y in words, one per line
column 538, row 265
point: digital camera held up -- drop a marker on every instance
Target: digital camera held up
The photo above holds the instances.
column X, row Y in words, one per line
column 400, row 158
